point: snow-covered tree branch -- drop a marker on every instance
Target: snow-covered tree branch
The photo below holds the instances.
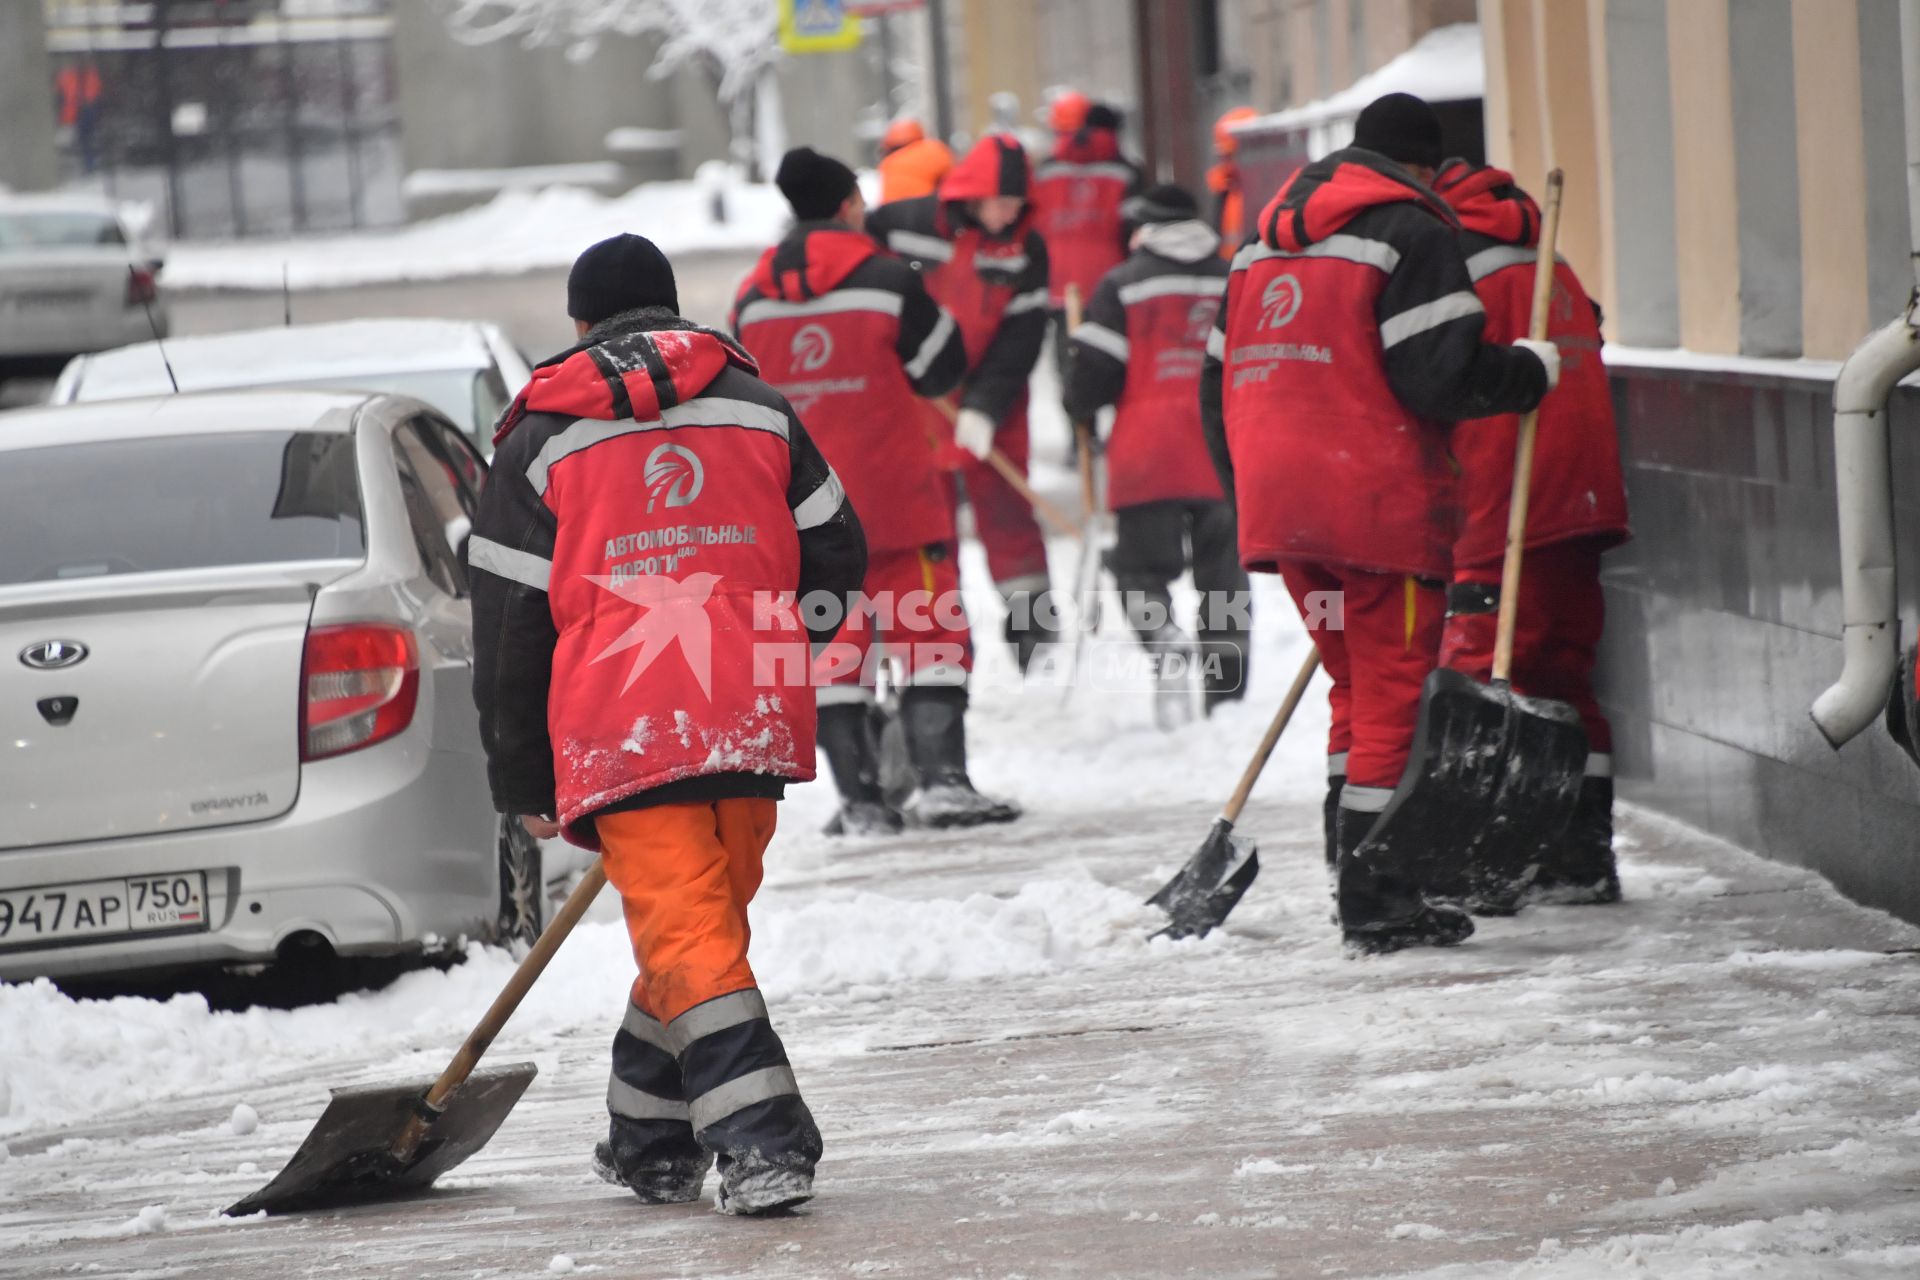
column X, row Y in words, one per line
column 734, row 41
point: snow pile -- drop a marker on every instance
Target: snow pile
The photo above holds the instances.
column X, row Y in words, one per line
column 518, row 230
column 68, row 1060
column 1446, row 65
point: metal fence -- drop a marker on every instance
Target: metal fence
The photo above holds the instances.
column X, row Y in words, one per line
column 233, row 117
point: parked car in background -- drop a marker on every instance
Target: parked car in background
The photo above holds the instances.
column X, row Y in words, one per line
column 468, row 371
column 236, row 715
column 73, row 279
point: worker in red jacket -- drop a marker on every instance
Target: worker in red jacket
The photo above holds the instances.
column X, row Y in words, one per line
column 975, row 246
column 1227, row 183
column 848, row 333
column 1577, row 509
column 1140, row 350
column 1077, row 193
column 1349, row 338
column 652, row 517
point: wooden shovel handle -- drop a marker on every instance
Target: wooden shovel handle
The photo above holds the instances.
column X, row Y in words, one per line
column 1018, row 482
column 481, row 1037
column 1523, row 452
column 1279, row 726
column 1089, row 490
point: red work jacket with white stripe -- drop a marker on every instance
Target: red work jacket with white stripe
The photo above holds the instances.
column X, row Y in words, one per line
column 1349, row 337
column 848, row 334
column 652, row 513
column 1077, row 193
column 1140, row 349
column 1577, row 490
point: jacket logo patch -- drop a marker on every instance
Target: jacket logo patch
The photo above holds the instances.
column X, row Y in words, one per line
column 812, row 348
column 674, row 472
column 1200, row 320
column 673, row 614
column 1281, row 300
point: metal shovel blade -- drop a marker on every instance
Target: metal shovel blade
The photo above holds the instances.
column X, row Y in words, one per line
column 1493, row 776
column 1210, row 886
column 349, row 1158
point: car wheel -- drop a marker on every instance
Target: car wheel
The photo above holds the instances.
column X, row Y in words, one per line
column 523, row 891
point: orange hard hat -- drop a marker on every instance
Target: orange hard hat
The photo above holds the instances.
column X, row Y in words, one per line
column 902, row 132
column 1223, row 140
column 1069, row 111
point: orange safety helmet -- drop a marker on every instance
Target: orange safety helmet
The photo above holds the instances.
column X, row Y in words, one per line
column 1068, row 111
column 902, row 132
column 1224, row 141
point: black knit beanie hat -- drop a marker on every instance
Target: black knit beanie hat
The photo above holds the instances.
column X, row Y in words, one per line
column 1168, row 202
column 815, row 185
column 1402, row 128
column 624, row 273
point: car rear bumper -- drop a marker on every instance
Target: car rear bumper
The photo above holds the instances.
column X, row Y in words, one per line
column 386, row 851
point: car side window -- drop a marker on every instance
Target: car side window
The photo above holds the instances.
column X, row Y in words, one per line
column 469, row 468
column 440, row 518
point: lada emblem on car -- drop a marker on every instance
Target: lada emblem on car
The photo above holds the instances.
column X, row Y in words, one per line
column 52, row 655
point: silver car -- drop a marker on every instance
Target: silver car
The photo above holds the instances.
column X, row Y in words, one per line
column 236, row 717
column 466, row 370
column 73, row 278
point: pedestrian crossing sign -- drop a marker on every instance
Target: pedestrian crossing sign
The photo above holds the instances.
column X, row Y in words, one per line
column 817, row 26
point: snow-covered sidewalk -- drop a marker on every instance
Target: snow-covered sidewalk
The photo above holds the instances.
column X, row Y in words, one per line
column 1714, row 1078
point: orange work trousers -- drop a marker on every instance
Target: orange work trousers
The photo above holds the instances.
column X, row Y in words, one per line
column 686, row 873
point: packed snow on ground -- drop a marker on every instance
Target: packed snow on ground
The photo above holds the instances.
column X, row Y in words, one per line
column 518, row 230
column 1715, row 1078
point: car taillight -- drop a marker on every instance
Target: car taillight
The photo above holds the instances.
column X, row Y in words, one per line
column 359, row 684
column 141, row 287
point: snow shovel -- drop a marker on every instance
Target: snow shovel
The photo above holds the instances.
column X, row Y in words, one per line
column 385, row 1142
column 1493, row 774
column 1217, row 876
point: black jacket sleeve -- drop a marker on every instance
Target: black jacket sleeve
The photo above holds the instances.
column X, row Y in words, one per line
column 508, row 558
column 1432, row 327
column 833, row 549
column 997, row 381
column 1213, row 413
column 1097, row 366
column 931, row 348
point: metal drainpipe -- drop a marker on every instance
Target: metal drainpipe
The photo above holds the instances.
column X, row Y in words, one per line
column 1863, row 471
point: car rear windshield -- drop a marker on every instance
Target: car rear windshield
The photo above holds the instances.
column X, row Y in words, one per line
column 177, row 502
column 58, row 230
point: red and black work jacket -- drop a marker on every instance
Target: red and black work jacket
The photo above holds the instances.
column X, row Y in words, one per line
column 1349, row 337
column 652, row 513
column 1577, row 491
column 1077, row 192
column 849, row 335
column 994, row 286
column 1140, row 349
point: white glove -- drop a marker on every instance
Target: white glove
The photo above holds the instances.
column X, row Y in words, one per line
column 973, row 431
column 1549, row 356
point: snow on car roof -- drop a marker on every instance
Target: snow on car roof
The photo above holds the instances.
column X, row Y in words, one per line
column 186, row 414
column 1445, row 65
column 291, row 353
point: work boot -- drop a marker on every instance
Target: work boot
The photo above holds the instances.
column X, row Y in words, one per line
column 936, row 728
column 846, row 736
column 1379, row 911
column 1330, row 818
column 1578, row 868
column 750, row 1189
column 656, row 1178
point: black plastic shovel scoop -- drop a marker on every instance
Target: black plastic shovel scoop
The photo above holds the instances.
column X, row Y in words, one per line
column 384, row 1142
column 1494, row 775
column 1220, row 871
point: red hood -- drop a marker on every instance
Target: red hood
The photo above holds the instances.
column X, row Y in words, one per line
column 810, row 262
column 1328, row 194
column 1488, row 201
column 1088, row 146
column 634, row 374
column 997, row 166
